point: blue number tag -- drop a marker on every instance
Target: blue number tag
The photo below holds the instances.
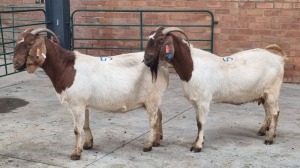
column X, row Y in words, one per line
column 170, row 56
column 227, row 59
column 106, row 58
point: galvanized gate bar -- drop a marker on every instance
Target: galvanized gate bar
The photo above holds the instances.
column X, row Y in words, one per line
column 141, row 25
column 15, row 29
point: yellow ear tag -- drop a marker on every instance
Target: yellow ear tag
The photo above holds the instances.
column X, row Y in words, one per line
column 38, row 52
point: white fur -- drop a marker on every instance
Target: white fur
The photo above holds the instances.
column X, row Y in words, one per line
column 249, row 76
column 240, row 80
column 151, row 36
column 20, row 41
column 120, row 84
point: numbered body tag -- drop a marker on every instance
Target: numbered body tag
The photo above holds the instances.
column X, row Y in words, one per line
column 106, row 58
column 227, row 59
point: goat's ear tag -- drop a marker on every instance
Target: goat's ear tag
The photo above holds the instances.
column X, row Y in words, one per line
column 44, row 55
column 38, row 51
column 167, row 49
column 170, row 56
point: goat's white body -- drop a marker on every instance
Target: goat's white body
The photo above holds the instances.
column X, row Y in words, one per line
column 252, row 75
column 243, row 79
column 118, row 85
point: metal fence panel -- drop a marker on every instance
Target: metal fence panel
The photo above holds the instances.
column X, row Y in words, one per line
column 110, row 32
column 14, row 20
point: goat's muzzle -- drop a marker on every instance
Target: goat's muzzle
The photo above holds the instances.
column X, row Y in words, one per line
column 18, row 65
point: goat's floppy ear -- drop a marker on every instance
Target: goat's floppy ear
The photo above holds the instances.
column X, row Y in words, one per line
column 38, row 50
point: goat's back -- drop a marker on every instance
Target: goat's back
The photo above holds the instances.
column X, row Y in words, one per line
column 120, row 83
column 239, row 78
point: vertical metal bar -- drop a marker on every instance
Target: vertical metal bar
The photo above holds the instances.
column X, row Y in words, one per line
column 141, row 30
column 212, row 33
column 3, row 47
column 58, row 20
column 13, row 24
column 72, row 31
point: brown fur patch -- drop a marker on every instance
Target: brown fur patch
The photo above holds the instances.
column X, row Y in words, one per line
column 182, row 61
column 276, row 49
column 59, row 66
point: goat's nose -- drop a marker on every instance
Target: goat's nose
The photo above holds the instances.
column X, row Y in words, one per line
column 16, row 63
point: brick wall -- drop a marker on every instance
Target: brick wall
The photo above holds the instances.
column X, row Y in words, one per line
column 243, row 24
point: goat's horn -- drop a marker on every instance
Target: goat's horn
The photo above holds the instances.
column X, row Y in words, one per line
column 28, row 30
column 175, row 29
column 39, row 30
column 157, row 28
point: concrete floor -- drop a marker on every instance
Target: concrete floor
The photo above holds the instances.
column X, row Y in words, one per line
column 40, row 133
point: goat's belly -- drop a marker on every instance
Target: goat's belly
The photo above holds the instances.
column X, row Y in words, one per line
column 237, row 99
column 113, row 101
column 117, row 108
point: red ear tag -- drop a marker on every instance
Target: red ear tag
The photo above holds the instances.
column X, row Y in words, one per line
column 167, row 49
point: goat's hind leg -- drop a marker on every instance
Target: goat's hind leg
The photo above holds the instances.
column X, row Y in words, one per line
column 88, row 143
column 266, row 124
column 271, row 119
column 274, row 115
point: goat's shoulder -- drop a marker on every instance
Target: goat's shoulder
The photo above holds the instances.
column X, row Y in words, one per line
column 203, row 58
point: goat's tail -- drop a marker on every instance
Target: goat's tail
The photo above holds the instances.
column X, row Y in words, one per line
column 276, row 49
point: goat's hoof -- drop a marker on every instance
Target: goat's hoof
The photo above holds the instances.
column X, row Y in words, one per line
column 268, row 142
column 260, row 133
column 87, row 146
column 147, row 149
column 75, row 157
column 155, row 144
column 196, row 150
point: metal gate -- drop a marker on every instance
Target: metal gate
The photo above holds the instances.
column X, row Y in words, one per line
column 14, row 20
column 110, row 32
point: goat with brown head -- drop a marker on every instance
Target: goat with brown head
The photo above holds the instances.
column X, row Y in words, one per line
column 160, row 50
column 30, row 50
column 83, row 81
column 208, row 78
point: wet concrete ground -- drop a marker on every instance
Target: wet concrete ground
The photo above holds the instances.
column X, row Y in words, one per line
column 37, row 131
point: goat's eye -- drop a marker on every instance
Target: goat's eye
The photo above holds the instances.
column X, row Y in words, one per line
column 160, row 42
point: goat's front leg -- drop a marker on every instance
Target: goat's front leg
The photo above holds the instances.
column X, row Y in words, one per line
column 79, row 119
column 155, row 134
column 160, row 124
column 202, row 110
column 88, row 144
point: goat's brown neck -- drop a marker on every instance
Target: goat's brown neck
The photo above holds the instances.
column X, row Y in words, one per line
column 59, row 66
column 182, row 60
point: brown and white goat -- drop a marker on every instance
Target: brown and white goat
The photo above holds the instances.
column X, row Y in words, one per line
column 115, row 84
column 247, row 76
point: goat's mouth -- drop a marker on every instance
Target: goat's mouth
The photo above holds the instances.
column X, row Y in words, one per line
column 148, row 61
column 20, row 67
